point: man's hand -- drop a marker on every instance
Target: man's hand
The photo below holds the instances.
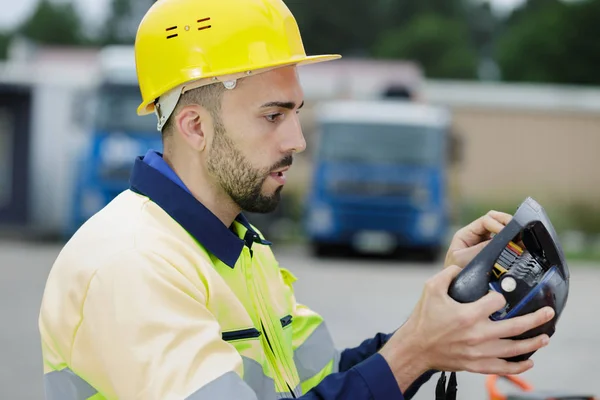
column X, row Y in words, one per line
column 468, row 241
column 442, row 334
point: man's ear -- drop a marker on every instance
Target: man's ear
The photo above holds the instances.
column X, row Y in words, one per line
column 191, row 122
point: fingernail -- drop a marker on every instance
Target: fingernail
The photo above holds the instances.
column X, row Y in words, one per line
column 550, row 313
column 545, row 340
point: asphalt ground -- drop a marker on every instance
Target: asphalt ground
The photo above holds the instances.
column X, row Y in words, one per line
column 357, row 296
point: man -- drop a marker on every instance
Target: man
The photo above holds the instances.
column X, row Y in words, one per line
column 169, row 293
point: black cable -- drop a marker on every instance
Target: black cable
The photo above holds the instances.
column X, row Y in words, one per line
column 452, row 387
column 440, row 389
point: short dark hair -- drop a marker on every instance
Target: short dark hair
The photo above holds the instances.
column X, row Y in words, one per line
column 208, row 96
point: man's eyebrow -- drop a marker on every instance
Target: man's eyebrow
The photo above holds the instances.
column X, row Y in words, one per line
column 290, row 105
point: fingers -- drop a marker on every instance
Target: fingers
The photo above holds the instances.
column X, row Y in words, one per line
column 497, row 366
column 492, row 222
column 500, row 216
column 470, row 235
column 507, row 348
column 444, row 278
column 519, row 325
column 464, row 256
column 488, row 304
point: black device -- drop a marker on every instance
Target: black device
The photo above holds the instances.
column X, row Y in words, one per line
column 526, row 264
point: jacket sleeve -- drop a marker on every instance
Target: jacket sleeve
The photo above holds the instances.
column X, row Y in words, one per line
column 147, row 334
column 359, row 373
column 351, row 357
column 318, row 364
column 371, row 379
column 354, row 374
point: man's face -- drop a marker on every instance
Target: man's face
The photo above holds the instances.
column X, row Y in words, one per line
column 255, row 139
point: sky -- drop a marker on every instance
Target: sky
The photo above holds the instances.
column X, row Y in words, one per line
column 14, row 12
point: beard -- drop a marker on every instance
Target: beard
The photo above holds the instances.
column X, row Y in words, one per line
column 238, row 178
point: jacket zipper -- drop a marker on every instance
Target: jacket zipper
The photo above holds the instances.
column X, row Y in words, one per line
column 285, row 368
column 279, row 370
column 241, row 334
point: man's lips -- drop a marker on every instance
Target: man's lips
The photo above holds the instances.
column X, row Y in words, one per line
column 280, row 171
column 279, row 175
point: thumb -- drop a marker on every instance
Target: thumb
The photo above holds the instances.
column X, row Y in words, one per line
column 465, row 256
column 447, row 275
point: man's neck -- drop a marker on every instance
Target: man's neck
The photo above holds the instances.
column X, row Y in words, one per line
column 203, row 188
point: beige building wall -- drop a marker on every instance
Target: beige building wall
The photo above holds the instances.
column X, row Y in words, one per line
column 510, row 154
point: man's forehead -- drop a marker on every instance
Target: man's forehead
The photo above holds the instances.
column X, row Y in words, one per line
column 279, row 82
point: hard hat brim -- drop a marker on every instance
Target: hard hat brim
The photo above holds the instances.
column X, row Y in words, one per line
column 148, row 107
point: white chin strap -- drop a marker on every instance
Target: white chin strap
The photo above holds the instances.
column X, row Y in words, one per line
column 165, row 104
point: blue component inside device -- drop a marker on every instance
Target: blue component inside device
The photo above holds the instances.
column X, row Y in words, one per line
column 505, row 313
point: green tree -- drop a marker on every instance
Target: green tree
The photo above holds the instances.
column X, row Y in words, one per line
column 401, row 12
column 123, row 21
column 4, row 43
column 552, row 41
column 483, row 26
column 54, row 24
column 349, row 27
column 444, row 36
column 440, row 45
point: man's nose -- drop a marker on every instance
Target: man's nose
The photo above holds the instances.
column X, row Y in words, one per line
column 294, row 141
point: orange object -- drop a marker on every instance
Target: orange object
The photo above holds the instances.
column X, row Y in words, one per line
column 494, row 393
column 515, row 248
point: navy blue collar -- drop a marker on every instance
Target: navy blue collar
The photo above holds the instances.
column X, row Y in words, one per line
column 192, row 215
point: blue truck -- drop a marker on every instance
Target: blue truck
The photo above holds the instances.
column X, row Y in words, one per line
column 379, row 183
column 115, row 136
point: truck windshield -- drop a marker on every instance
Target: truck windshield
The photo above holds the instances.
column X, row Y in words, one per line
column 116, row 111
column 381, row 144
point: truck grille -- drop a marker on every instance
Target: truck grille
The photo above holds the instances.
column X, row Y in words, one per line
column 372, row 189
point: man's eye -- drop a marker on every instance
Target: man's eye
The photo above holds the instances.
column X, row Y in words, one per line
column 273, row 117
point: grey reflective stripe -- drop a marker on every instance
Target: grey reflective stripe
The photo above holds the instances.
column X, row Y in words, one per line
column 227, row 386
column 286, row 395
column 263, row 386
column 336, row 362
column 315, row 353
column 65, row 385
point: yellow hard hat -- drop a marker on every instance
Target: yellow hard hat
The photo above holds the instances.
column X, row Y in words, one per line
column 183, row 44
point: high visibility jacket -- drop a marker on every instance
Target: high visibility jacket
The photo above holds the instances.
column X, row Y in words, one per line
column 154, row 298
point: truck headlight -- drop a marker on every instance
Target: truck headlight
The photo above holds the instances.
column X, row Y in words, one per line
column 320, row 219
column 429, row 224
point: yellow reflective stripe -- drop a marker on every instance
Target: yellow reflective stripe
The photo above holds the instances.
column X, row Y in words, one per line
column 313, row 381
column 66, row 385
column 317, row 351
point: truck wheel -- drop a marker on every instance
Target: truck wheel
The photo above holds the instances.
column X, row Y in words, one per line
column 431, row 254
column 321, row 249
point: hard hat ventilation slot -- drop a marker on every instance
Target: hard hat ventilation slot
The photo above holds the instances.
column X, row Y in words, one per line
column 170, row 29
column 205, row 26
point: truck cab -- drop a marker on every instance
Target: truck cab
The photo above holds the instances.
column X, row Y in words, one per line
column 115, row 135
column 379, row 182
